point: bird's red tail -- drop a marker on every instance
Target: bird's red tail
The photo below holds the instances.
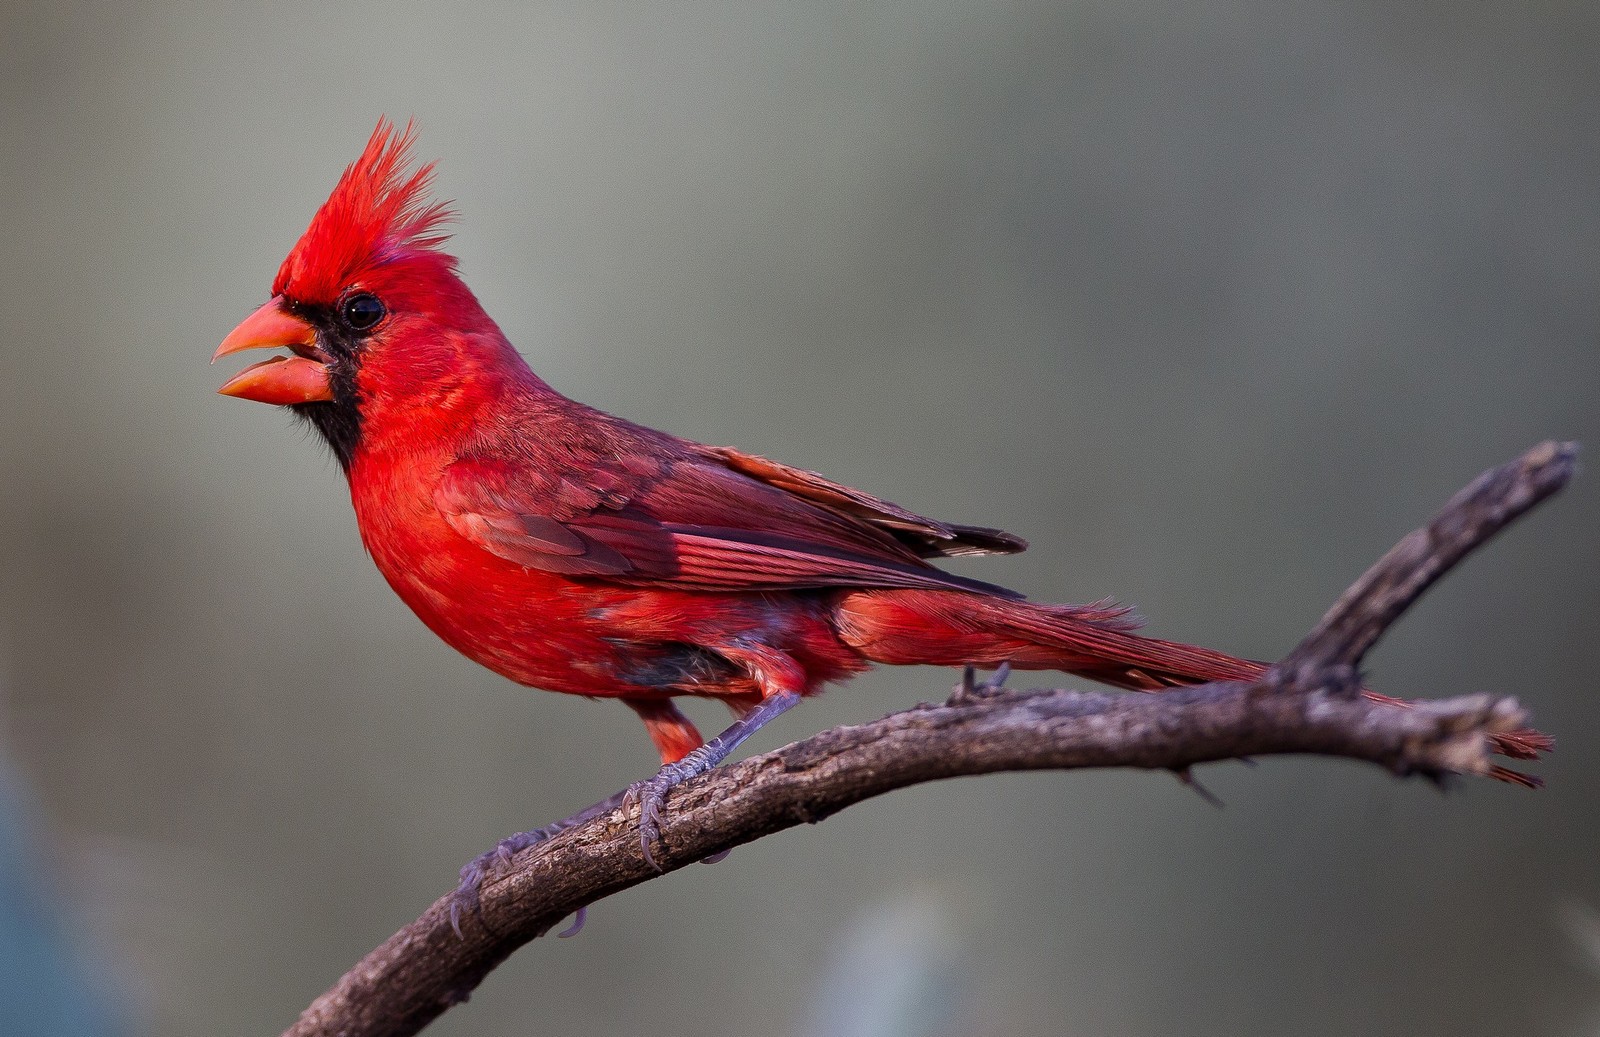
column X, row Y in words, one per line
column 955, row 628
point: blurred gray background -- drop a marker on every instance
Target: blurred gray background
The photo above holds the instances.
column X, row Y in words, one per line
column 1211, row 301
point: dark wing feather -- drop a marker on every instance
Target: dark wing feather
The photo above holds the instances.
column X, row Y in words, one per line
column 929, row 538
column 696, row 522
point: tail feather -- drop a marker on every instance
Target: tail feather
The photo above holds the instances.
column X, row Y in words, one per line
column 1097, row 641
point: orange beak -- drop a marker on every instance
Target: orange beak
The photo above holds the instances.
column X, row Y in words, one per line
column 282, row 380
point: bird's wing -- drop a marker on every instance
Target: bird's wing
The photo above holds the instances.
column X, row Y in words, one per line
column 929, row 538
column 689, row 518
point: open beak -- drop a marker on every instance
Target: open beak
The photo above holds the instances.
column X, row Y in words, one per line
column 302, row 378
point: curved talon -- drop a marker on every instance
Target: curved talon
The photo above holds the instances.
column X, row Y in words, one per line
column 465, row 900
column 649, row 795
column 577, row 924
column 476, row 872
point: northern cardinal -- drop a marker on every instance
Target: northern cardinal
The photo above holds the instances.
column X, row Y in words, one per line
column 576, row 552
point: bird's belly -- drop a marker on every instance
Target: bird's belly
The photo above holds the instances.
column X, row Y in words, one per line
column 523, row 625
column 596, row 638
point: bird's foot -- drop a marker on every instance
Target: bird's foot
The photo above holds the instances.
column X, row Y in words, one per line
column 651, row 794
column 482, row 867
column 969, row 690
column 476, row 871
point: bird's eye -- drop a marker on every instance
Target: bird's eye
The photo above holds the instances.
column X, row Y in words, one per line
column 361, row 311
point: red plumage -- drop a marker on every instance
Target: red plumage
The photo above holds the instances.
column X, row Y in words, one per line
column 576, row 552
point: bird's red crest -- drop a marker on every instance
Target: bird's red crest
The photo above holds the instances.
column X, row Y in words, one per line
column 378, row 211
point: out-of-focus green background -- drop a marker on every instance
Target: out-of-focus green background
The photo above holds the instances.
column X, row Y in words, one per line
column 1211, row 301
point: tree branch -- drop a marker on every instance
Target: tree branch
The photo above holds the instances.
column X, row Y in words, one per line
column 1309, row 703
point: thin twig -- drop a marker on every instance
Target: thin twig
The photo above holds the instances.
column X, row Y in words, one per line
column 1487, row 505
column 1305, row 705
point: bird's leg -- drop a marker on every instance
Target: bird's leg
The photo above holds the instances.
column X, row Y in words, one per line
column 969, row 690
column 673, row 734
column 997, row 680
column 481, row 867
column 652, row 793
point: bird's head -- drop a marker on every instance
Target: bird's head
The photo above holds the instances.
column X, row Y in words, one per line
column 367, row 303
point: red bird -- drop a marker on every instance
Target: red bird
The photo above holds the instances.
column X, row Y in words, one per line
column 576, row 552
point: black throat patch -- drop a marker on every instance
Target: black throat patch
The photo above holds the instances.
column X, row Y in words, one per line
column 338, row 421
